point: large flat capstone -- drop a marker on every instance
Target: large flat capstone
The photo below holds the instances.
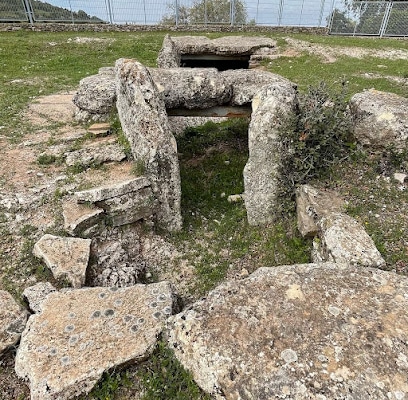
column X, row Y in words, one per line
column 79, row 334
column 313, row 331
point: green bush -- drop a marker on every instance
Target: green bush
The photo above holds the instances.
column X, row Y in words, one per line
column 316, row 139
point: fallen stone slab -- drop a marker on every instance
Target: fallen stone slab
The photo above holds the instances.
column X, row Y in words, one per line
column 272, row 106
column 380, row 119
column 94, row 156
column 343, row 240
column 312, row 205
column 80, row 334
column 100, row 129
column 35, row 295
column 191, row 88
column 79, row 219
column 109, row 191
column 314, row 331
column 66, row 257
column 12, row 321
column 246, row 83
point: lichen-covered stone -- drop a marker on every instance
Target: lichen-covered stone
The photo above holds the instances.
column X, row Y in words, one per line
column 312, row 204
column 169, row 55
column 36, row 294
column 80, row 334
column 343, row 240
column 246, row 83
column 94, row 156
column 314, row 331
column 191, row 88
column 380, row 119
column 79, row 218
column 144, row 122
column 65, row 257
column 271, row 108
column 12, row 321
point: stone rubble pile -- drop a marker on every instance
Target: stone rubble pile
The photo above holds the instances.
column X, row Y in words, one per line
column 336, row 328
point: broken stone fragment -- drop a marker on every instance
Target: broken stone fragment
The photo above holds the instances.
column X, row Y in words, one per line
column 100, row 129
column 289, row 331
column 312, row 204
column 78, row 218
column 65, row 257
column 80, row 334
column 343, row 240
column 12, row 321
column 36, row 294
column 272, row 106
column 94, row 156
column 380, row 119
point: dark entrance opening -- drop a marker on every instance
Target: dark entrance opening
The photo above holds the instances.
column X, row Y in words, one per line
column 222, row 63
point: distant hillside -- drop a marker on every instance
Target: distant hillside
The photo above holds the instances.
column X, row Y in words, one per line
column 13, row 9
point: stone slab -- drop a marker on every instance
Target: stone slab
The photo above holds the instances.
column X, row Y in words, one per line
column 80, row 217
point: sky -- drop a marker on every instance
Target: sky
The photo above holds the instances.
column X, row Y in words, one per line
column 264, row 12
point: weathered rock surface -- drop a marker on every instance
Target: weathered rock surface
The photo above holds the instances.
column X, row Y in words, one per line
column 246, row 83
column 179, row 124
column 312, row 205
column 96, row 96
column 96, row 155
column 79, row 334
column 36, row 294
column 343, row 240
column 191, row 87
column 174, row 47
column 270, row 108
column 81, row 218
column 144, row 122
column 380, row 119
column 65, row 257
column 12, row 321
column 314, row 331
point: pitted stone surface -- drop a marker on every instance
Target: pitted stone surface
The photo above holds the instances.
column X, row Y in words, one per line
column 144, row 122
column 12, row 321
column 314, row 331
column 270, row 109
column 82, row 333
column 65, row 257
column 380, row 119
column 312, row 205
column 246, row 83
column 36, row 294
column 343, row 240
column 94, row 156
column 191, row 87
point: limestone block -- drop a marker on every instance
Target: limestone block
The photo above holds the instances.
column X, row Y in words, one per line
column 312, row 204
column 82, row 333
column 343, row 240
column 314, row 331
column 65, row 257
column 144, row 121
column 93, row 156
column 109, row 191
column 380, row 119
column 191, row 88
column 96, row 95
column 12, row 321
column 36, row 294
column 169, row 56
column 130, row 207
column 246, row 83
column 78, row 218
column 270, row 109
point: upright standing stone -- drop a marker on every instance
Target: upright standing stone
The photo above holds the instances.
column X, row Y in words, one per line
column 270, row 109
column 144, row 121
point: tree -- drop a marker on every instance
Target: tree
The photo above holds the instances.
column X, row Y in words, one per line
column 340, row 23
column 208, row 12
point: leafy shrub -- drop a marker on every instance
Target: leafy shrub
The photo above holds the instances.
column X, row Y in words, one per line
column 316, row 139
column 46, row 159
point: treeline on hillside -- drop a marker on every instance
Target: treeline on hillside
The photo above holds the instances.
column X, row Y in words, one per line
column 14, row 9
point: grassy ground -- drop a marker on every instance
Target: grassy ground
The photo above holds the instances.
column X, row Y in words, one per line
column 216, row 237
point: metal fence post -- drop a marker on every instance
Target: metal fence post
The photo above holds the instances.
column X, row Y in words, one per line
column 177, row 12
column 232, row 12
column 29, row 11
column 384, row 23
column 321, row 12
column 109, row 10
column 280, row 12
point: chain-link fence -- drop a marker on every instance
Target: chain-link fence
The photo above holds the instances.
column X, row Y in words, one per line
column 375, row 18
column 382, row 18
